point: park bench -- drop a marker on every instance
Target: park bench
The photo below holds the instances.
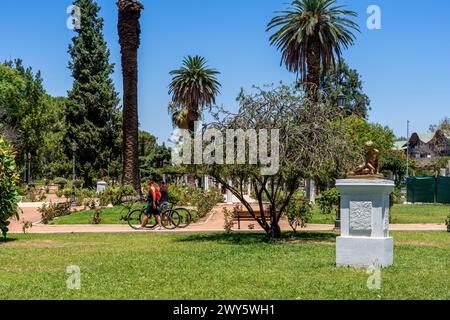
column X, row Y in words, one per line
column 245, row 216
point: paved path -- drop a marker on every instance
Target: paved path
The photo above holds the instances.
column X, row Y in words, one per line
column 214, row 223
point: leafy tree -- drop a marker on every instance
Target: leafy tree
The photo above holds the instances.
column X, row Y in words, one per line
column 394, row 161
column 92, row 116
column 153, row 156
column 8, row 186
column 308, row 148
column 346, row 81
column 311, row 35
column 358, row 131
column 129, row 38
column 26, row 116
column 194, row 86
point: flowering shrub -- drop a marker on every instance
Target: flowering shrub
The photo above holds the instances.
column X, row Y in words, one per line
column 298, row 212
column 203, row 201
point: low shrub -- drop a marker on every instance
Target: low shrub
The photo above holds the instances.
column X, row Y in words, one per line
column 9, row 180
column 96, row 218
column 203, row 201
column 298, row 212
column 396, row 197
column 328, row 201
column 60, row 182
column 52, row 210
column 116, row 195
column 230, row 216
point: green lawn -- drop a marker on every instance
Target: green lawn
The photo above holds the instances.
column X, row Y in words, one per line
column 430, row 213
column 108, row 216
column 215, row 266
column 400, row 214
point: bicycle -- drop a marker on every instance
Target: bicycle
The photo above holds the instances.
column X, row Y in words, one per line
column 183, row 213
column 169, row 219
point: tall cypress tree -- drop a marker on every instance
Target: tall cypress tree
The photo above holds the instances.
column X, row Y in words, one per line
column 92, row 115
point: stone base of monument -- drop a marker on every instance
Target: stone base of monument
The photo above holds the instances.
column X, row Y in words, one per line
column 364, row 252
column 365, row 239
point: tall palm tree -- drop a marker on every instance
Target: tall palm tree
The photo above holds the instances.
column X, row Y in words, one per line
column 129, row 39
column 193, row 88
column 310, row 35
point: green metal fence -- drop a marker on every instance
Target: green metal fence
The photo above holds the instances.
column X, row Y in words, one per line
column 428, row 190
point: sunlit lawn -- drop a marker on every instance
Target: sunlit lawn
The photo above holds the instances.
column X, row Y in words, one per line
column 401, row 214
column 215, row 266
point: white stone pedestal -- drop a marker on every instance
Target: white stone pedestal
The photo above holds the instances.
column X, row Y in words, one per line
column 364, row 239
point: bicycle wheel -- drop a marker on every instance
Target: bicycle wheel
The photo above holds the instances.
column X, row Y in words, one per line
column 136, row 218
column 170, row 219
column 185, row 217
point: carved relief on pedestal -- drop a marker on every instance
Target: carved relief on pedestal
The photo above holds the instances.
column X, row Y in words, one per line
column 360, row 216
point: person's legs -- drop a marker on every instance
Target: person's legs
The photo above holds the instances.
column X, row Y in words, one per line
column 158, row 219
column 145, row 221
column 147, row 216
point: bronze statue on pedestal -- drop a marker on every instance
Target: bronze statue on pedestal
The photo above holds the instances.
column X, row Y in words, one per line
column 371, row 167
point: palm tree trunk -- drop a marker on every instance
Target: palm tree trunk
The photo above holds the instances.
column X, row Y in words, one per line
column 313, row 76
column 129, row 35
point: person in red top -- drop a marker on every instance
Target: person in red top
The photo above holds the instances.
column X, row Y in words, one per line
column 154, row 196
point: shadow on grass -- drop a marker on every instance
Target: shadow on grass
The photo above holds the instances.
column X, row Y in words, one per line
column 7, row 240
column 255, row 238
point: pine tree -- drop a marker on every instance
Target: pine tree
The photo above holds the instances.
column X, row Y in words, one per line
column 92, row 115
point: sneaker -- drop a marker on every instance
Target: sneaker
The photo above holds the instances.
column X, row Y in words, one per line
column 158, row 228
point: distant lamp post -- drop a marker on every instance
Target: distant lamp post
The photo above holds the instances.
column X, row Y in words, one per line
column 29, row 168
column 74, row 150
column 340, row 101
column 25, row 166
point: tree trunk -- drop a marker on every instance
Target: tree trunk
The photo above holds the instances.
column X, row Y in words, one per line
column 313, row 76
column 129, row 35
column 274, row 231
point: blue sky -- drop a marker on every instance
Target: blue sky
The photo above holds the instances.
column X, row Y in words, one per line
column 405, row 66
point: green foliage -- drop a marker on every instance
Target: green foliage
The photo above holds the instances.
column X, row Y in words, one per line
column 358, row 131
column 203, row 201
column 447, row 223
column 396, row 197
column 115, row 195
column 229, row 217
column 346, row 81
column 30, row 118
column 194, row 86
column 309, row 28
column 394, row 162
column 153, row 157
column 96, row 218
column 60, row 182
column 299, row 212
column 92, row 116
column 328, row 201
column 53, row 210
column 441, row 163
column 8, row 186
column 309, row 147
